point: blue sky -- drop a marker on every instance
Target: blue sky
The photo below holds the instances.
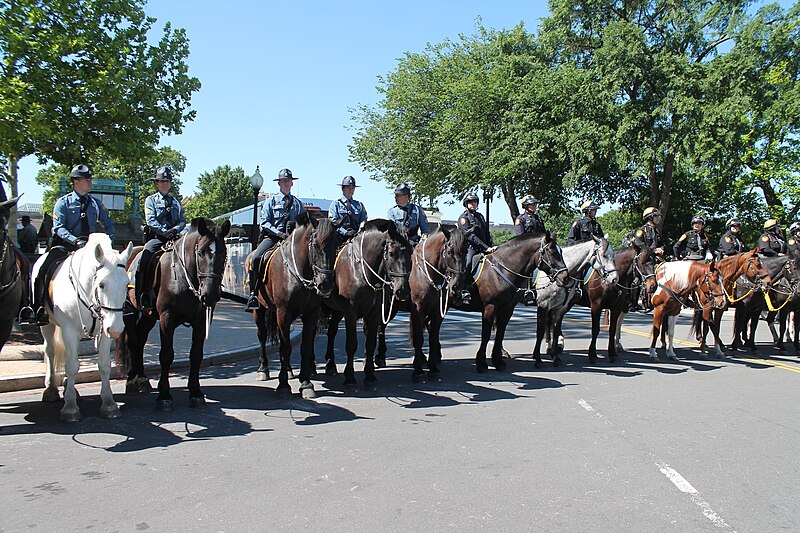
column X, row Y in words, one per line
column 279, row 77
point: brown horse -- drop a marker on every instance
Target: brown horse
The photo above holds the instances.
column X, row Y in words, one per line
column 500, row 281
column 438, row 275
column 12, row 286
column 297, row 275
column 188, row 286
column 684, row 284
column 743, row 266
column 371, row 272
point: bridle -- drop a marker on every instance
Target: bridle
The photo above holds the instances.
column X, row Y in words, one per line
column 712, row 296
column 313, row 254
column 382, row 283
column 90, row 301
column 447, row 276
column 16, row 275
column 551, row 271
column 200, row 275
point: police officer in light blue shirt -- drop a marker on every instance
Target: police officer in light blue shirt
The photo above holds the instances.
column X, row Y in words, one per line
column 408, row 215
column 346, row 213
column 278, row 221
column 165, row 220
column 75, row 217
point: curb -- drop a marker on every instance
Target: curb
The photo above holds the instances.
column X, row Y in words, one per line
column 90, row 373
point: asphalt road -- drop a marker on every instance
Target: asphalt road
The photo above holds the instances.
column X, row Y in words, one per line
column 691, row 445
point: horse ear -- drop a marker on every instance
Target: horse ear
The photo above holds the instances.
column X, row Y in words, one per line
column 445, row 231
column 200, row 224
column 547, row 237
column 713, row 264
column 98, row 253
column 226, row 228
column 126, row 254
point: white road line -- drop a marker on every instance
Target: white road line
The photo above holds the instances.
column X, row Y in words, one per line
column 678, row 480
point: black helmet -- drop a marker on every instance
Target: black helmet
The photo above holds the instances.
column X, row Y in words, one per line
column 163, row 173
column 794, row 228
column 469, row 197
column 650, row 213
column 529, row 200
column 285, row 173
column 589, row 205
column 80, row 171
column 349, row 181
column 698, row 218
column 732, row 222
column 403, row 188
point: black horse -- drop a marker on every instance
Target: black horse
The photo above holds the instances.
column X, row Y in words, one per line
column 296, row 276
column 188, row 286
column 12, row 264
column 371, row 272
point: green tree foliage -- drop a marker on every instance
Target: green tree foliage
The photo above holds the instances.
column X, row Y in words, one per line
column 222, row 190
column 81, row 83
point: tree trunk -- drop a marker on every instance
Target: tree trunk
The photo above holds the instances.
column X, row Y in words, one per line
column 12, row 185
column 661, row 190
column 510, row 196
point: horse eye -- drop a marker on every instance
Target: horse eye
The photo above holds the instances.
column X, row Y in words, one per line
column 102, row 285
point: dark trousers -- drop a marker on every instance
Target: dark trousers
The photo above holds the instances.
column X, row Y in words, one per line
column 255, row 265
column 143, row 278
column 56, row 255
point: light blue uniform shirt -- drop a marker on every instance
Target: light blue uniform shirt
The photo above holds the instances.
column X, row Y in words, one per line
column 417, row 221
column 67, row 217
column 273, row 219
column 351, row 220
column 155, row 213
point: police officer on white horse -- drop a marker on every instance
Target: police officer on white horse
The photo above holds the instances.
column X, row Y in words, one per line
column 75, row 217
column 346, row 213
column 278, row 221
column 407, row 215
column 165, row 219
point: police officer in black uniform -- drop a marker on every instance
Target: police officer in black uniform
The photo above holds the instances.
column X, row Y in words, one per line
column 528, row 221
column 694, row 244
column 730, row 243
column 648, row 236
column 793, row 242
column 473, row 223
column 771, row 242
column 583, row 228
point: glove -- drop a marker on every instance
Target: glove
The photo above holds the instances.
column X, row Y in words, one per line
column 349, row 234
column 290, row 225
column 80, row 242
column 282, row 236
column 171, row 234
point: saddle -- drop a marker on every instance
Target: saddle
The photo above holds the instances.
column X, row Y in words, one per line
column 477, row 259
column 263, row 266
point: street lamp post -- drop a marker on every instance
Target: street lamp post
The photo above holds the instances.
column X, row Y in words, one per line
column 256, row 181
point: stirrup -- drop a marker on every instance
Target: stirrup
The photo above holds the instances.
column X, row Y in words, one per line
column 252, row 303
column 42, row 319
column 529, row 297
column 145, row 301
column 27, row 316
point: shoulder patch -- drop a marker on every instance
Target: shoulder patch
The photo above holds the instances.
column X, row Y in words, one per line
column 575, row 225
column 517, row 222
column 791, row 241
column 683, row 238
column 765, row 238
column 463, row 221
column 147, row 210
column 728, row 239
column 639, row 233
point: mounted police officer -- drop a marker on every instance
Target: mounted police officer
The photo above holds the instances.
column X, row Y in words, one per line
column 476, row 228
column 771, row 242
column 583, row 228
column 648, row 236
column 793, row 242
column 165, row 219
column 278, row 221
column 528, row 221
column 75, row 217
column 731, row 243
column 408, row 215
column 694, row 243
column 346, row 213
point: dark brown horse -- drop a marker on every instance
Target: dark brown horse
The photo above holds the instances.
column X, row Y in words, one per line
column 438, row 275
column 296, row 276
column 12, row 286
column 188, row 286
column 500, row 281
column 372, row 273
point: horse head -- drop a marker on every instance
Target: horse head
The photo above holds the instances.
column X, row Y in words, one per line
column 552, row 262
column 755, row 270
column 603, row 260
column 320, row 235
column 454, row 257
column 711, row 288
column 210, row 254
column 396, row 260
column 644, row 264
column 107, row 282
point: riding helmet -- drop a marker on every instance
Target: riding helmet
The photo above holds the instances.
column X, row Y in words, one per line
column 770, row 223
column 285, row 173
column 732, row 222
column 589, row 205
column 651, row 212
column 698, row 218
column 403, row 188
column 794, row 228
column 163, row 173
column 80, row 171
column 469, row 197
column 349, row 181
column 529, row 200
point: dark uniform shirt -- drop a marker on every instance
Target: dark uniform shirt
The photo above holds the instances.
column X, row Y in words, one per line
column 696, row 245
column 477, row 230
column 648, row 236
column 527, row 223
column 730, row 244
column 771, row 245
column 583, row 229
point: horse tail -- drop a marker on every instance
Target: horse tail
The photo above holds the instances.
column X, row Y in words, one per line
column 271, row 325
column 697, row 324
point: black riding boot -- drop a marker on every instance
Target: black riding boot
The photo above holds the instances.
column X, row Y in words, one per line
column 252, row 300
column 41, row 318
column 143, row 283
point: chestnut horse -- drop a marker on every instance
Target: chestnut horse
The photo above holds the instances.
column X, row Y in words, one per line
column 684, row 284
column 188, row 287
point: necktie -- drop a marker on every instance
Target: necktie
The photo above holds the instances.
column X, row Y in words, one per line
column 349, row 212
column 405, row 215
column 168, row 204
column 84, row 216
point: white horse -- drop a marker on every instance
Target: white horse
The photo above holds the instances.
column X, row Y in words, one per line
column 88, row 290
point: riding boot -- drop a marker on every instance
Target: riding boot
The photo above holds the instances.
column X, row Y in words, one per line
column 252, row 300
column 142, row 282
column 466, row 297
column 529, row 297
column 40, row 317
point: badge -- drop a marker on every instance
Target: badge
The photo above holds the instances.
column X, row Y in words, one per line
column 791, row 242
column 765, row 238
column 728, row 239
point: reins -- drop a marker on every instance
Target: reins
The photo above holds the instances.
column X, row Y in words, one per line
column 444, row 296
column 16, row 275
column 95, row 307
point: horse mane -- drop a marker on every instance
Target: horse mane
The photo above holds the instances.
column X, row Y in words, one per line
column 459, row 238
column 384, row 225
column 325, row 231
column 520, row 240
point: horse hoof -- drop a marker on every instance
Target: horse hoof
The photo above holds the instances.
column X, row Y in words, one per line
column 110, row 412
column 371, row 385
column 284, row 393
column 538, row 364
column 481, row 368
column 197, row 401
column 350, row 388
column 262, row 376
column 138, row 386
column 419, row 377
column 308, row 393
column 499, row 365
column 672, row 357
column 557, row 362
column 380, row 362
column 51, row 395
column 435, row 377
column 70, row 416
column 291, row 374
column 164, row 406
column 330, row 369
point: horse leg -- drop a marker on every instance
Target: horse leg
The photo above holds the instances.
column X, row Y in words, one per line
column 540, row 329
column 417, row 326
column 614, row 313
column 596, row 312
column 782, row 316
column 435, row 347
column 656, row 331
column 487, row 318
column 554, row 321
column 283, row 322
column 166, row 356
column 671, row 320
column 370, row 338
column 196, row 396
column 70, row 411
column 754, row 318
column 618, row 331
column 330, row 357
column 380, row 358
column 137, row 330
column 109, row 408
column 307, row 358
column 502, row 318
column 262, row 374
column 50, row 393
column 350, row 347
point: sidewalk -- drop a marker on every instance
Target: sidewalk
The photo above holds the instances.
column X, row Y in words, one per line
column 232, row 338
